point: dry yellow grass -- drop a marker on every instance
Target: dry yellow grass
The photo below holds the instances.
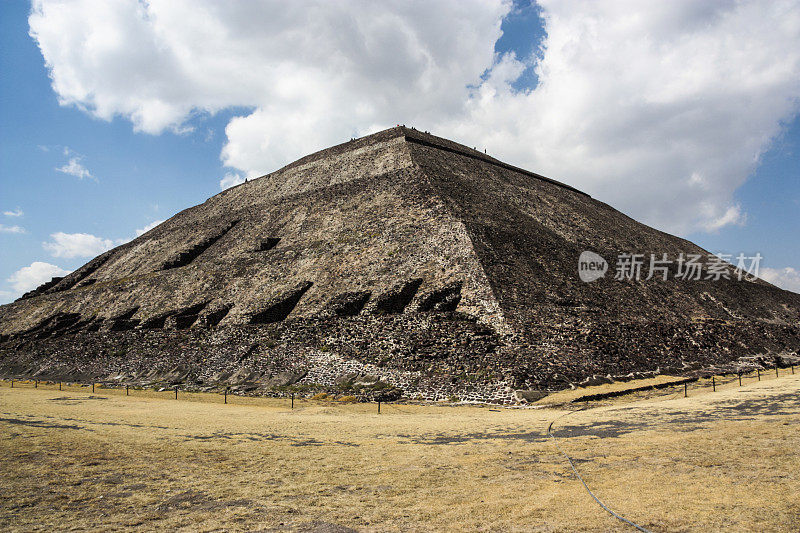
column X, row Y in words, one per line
column 569, row 395
column 72, row 459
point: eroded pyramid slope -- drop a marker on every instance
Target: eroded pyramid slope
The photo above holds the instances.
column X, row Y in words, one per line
column 399, row 255
column 361, row 221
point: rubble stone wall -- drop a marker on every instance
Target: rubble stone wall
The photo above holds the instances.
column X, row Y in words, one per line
column 428, row 356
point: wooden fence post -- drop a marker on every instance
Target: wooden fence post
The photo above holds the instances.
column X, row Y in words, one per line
column 226, row 394
column 740, row 379
column 292, row 400
column 93, row 386
column 713, row 384
column 758, row 372
column 379, row 407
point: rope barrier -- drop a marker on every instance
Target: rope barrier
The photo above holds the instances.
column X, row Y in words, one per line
column 585, row 486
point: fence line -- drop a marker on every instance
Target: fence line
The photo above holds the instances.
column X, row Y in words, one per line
column 714, row 383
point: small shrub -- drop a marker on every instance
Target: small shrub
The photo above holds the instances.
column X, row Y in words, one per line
column 347, row 399
column 320, row 396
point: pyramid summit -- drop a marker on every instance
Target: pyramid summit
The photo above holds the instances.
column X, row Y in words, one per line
column 399, row 262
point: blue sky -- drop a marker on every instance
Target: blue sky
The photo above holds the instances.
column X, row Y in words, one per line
column 146, row 171
column 137, row 178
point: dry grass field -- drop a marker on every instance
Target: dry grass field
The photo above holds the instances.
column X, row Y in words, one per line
column 725, row 460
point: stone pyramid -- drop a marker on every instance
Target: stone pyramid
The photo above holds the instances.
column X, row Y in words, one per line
column 398, row 261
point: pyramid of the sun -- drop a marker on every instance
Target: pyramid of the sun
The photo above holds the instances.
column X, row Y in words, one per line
column 400, row 255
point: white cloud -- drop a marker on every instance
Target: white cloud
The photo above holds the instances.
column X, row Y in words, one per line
column 15, row 213
column 231, row 179
column 661, row 109
column 30, row 277
column 314, row 73
column 11, row 229
column 142, row 231
column 732, row 216
column 74, row 168
column 786, row 278
column 70, row 245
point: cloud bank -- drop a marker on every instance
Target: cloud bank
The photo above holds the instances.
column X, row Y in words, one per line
column 661, row 109
column 69, row 245
column 786, row 278
column 30, row 277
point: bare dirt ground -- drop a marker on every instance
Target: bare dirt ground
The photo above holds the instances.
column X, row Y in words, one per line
column 725, row 460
